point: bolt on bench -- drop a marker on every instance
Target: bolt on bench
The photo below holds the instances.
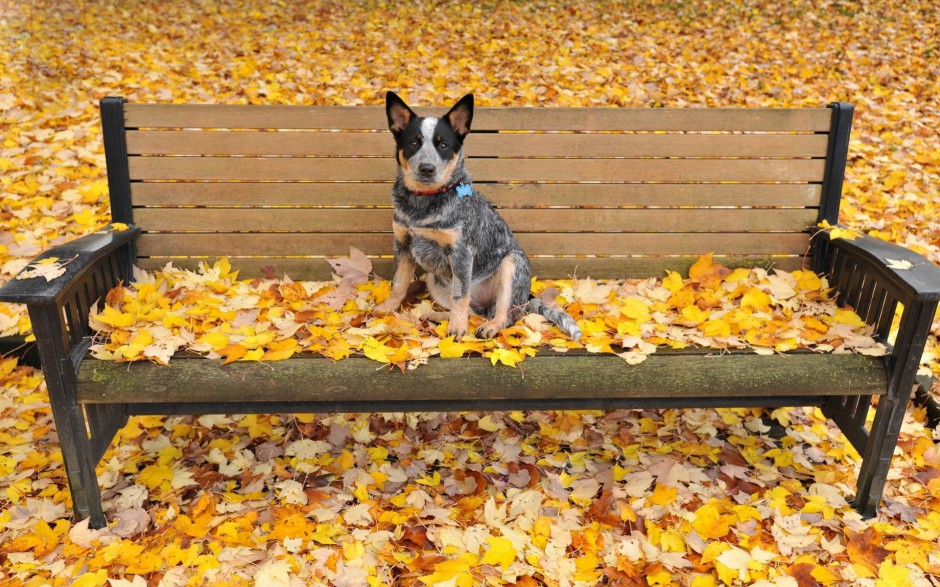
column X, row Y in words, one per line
column 599, row 192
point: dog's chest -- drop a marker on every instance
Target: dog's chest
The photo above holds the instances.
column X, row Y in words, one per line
column 432, row 246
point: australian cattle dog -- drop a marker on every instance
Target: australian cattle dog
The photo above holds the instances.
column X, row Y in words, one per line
column 442, row 224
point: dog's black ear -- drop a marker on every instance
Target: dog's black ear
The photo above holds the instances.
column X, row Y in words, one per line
column 461, row 115
column 399, row 114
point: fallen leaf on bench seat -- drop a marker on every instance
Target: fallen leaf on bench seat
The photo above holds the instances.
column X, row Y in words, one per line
column 211, row 311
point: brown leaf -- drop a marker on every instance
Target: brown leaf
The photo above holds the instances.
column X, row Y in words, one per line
column 865, row 548
column 803, row 575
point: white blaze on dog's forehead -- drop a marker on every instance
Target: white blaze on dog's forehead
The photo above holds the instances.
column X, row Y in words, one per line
column 427, row 153
column 427, row 128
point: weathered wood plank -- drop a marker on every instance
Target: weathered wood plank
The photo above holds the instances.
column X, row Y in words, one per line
column 313, row 379
column 317, row 269
column 502, row 195
column 333, row 244
column 520, row 220
column 383, row 169
column 380, row 144
column 505, row 118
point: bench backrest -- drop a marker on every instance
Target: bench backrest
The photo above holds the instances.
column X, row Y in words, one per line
column 600, row 192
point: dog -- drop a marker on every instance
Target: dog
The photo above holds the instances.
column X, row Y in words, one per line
column 443, row 225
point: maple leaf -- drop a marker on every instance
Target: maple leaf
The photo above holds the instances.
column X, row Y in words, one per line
column 838, row 232
column 500, row 552
column 48, row 268
column 354, row 269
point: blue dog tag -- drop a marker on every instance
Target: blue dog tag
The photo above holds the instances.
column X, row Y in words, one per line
column 464, row 190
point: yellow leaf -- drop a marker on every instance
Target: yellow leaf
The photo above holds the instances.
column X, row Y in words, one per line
column 663, row 495
column 629, row 328
column 232, row 352
column 353, row 551
column 635, row 309
column 673, row 281
column 431, row 481
column 892, row 575
column 115, row 318
column 375, row 350
column 280, row 350
column 660, row 577
column 824, row 575
column 716, row 328
column 361, row 493
column 703, row 581
column 807, row 280
column 253, row 355
column 458, row 569
column 510, row 357
column 97, row 579
column 843, row 233
column 217, row 340
column 153, row 476
column 702, row 266
column 450, row 349
column 694, row 315
column 501, row 552
column 711, row 523
column 738, row 275
column 756, row 299
column 844, row 316
column 837, row 232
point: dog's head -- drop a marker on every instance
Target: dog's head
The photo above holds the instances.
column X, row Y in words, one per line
column 428, row 149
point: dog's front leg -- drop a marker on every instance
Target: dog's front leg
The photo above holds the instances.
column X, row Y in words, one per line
column 462, row 267
column 404, row 272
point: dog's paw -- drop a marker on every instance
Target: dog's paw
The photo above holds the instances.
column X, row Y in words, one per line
column 488, row 330
column 457, row 328
column 384, row 308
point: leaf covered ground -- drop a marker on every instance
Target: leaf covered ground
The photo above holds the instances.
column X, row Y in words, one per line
column 689, row 497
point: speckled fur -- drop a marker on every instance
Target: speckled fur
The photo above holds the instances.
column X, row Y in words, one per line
column 468, row 251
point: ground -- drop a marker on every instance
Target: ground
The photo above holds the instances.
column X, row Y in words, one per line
column 674, row 497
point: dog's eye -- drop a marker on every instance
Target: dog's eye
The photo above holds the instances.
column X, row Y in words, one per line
column 413, row 144
column 443, row 146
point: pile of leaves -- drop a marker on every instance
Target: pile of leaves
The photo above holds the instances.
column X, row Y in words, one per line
column 626, row 498
column 210, row 311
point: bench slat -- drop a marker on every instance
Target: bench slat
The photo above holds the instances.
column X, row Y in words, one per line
column 360, row 144
column 571, row 119
column 317, row 269
column 502, row 195
column 315, row 379
column 337, row 244
column 383, row 169
column 520, row 220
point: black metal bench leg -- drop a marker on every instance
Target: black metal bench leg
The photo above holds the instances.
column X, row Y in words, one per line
column 73, row 430
column 876, row 459
column 903, row 364
column 79, row 459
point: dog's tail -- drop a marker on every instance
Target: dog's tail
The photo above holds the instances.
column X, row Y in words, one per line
column 559, row 318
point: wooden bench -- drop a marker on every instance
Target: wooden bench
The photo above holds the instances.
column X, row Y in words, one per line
column 599, row 192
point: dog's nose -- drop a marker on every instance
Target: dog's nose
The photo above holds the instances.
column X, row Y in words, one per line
column 426, row 169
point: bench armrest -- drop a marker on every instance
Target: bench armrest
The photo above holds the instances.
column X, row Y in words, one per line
column 77, row 256
column 874, row 258
column 875, row 277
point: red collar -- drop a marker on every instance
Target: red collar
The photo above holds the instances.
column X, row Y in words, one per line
column 435, row 192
